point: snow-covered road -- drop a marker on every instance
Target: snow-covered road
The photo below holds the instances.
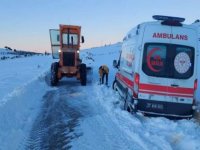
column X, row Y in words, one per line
column 56, row 120
column 77, row 117
column 65, row 111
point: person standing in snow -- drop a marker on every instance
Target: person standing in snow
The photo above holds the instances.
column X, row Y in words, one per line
column 103, row 71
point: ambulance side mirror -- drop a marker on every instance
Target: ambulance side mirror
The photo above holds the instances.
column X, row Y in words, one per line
column 115, row 64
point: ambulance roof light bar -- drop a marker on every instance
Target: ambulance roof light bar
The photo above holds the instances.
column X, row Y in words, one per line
column 168, row 20
column 165, row 18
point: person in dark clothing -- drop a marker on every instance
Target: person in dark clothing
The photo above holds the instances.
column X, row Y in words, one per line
column 103, row 71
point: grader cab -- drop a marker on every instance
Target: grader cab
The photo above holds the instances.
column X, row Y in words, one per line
column 65, row 44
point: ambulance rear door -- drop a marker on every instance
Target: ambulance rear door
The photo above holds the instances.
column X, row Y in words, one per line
column 182, row 60
column 153, row 87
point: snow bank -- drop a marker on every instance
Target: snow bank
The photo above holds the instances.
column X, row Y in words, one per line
column 6, row 54
column 148, row 133
column 96, row 57
column 16, row 73
column 108, row 126
column 18, row 113
column 22, row 85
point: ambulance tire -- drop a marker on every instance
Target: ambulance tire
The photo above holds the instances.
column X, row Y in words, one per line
column 54, row 72
column 114, row 85
column 128, row 103
column 83, row 74
column 126, row 106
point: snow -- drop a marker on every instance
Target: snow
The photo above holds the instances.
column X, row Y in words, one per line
column 101, row 56
column 21, row 90
column 18, row 114
column 6, row 52
column 13, row 54
column 104, row 124
column 132, row 132
column 17, row 73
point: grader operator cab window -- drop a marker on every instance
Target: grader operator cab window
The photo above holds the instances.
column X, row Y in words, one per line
column 55, row 42
column 70, row 39
column 58, row 38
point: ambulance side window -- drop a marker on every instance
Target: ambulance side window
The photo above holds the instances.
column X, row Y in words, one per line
column 122, row 59
column 127, row 58
column 183, row 62
column 168, row 60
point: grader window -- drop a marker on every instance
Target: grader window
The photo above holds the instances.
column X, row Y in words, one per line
column 55, row 42
column 70, row 39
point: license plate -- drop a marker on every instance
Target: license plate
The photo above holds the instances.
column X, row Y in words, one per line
column 154, row 106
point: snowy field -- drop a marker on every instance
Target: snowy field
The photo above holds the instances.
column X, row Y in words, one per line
column 103, row 125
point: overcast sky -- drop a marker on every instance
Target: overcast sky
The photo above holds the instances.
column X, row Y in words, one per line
column 25, row 24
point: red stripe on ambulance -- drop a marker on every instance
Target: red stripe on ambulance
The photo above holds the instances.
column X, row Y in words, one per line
column 125, row 80
column 157, row 89
column 169, row 89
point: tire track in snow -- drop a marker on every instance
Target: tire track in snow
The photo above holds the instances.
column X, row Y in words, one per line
column 54, row 127
column 75, row 117
column 100, row 131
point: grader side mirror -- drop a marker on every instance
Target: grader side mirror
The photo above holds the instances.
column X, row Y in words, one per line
column 82, row 39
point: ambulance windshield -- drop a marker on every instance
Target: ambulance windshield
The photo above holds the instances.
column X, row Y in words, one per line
column 168, row 60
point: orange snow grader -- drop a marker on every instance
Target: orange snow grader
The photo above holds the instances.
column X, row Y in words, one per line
column 65, row 44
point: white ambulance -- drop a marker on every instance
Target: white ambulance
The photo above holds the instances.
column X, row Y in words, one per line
column 157, row 68
column 197, row 24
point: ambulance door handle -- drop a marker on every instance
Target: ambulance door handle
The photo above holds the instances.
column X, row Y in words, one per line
column 174, row 85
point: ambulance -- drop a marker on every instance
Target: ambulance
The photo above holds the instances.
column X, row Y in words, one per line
column 197, row 24
column 157, row 68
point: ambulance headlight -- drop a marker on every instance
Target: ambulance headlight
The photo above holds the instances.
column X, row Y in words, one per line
column 59, row 51
column 78, row 51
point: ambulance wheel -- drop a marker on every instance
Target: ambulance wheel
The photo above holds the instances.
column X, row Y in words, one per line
column 127, row 106
column 114, row 85
column 54, row 72
column 83, row 74
column 127, row 102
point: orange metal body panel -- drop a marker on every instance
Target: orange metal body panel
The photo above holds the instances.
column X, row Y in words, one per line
column 69, row 71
